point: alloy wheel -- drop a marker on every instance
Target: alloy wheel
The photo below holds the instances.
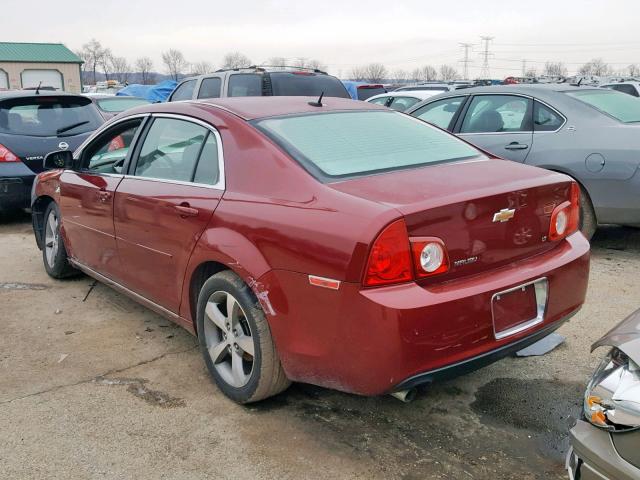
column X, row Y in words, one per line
column 228, row 339
column 51, row 238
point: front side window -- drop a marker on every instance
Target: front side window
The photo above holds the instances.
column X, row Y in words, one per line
column 108, row 152
column 341, row 144
column 48, row 116
column 170, row 150
column 545, row 119
column 184, row 91
column 497, row 113
column 618, row 105
column 210, row 88
column 403, row 103
column 439, row 113
column 245, row 85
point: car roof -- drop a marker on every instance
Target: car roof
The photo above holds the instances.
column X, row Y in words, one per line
column 421, row 94
column 252, row 108
column 532, row 89
column 32, row 93
column 254, row 69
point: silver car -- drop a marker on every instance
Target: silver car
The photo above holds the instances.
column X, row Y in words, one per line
column 605, row 444
column 591, row 134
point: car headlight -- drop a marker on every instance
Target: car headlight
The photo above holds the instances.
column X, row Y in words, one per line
column 612, row 399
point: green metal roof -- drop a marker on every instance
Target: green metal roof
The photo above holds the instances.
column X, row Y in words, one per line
column 37, row 52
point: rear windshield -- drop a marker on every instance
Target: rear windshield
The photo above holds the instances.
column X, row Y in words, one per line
column 367, row 92
column 120, row 104
column 306, row 84
column 48, row 116
column 342, row 144
column 619, row 105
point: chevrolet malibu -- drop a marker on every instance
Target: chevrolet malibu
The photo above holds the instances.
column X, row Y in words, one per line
column 328, row 241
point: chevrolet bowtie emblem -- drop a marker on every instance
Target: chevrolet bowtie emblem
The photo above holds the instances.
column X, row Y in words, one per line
column 504, row 215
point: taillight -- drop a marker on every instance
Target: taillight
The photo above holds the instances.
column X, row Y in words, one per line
column 429, row 256
column 566, row 216
column 7, row 155
column 389, row 260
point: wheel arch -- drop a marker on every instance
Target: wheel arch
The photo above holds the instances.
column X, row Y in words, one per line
column 557, row 169
column 38, row 209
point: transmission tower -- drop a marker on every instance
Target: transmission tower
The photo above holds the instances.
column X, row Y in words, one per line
column 485, row 73
column 465, row 61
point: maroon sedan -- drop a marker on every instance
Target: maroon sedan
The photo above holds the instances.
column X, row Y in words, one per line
column 336, row 243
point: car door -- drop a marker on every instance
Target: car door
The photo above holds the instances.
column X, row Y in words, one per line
column 86, row 196
column 162, row 206
column 500, row 124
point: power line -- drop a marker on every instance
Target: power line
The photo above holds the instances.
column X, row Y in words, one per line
column 465, row 62
column 485, row 72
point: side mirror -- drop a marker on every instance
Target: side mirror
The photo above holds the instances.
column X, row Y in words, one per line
column 58, row 159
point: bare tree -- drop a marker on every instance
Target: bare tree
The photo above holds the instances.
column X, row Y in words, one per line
column 235, row 60
column 555, row 69
column 120, row 68
column 358, row 73
column 175, row 63
column 633, row 70
column 399, row 75
column 105, row 63
column 86, row 63
column 144, row 65
column 448, row 73
column 200, row 68
column 424, row 74
column 93, row 54
column 531, row 72
column 595, row 67
column 316, row 65
column 277, row 61
column 375, row 72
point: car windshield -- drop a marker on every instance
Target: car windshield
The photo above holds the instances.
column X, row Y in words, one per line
column 306, row 84
column 48, row 116
column 619, row 105
column 342, row 144
column 120, row 104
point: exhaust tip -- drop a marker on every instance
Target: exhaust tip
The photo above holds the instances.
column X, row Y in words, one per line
column 406, row 396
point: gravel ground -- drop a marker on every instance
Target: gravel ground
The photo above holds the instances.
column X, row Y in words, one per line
column 105, row 389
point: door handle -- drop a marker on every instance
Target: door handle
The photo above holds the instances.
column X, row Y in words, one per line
column 516, row 146
column 185, row 210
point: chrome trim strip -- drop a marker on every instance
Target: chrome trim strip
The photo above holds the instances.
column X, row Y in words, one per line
column 173, row 182
column 66, row 220
column 130, row 293
column 541, row 286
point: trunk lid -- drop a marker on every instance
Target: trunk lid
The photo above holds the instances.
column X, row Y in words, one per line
column 488, row 212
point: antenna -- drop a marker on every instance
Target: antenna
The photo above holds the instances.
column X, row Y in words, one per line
column 38, row 89
column 465, row 62
column 485, row 73
column 319, row 102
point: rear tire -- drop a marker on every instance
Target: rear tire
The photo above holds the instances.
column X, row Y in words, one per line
column 235, row 340
column 54, row 253
column 588, row 221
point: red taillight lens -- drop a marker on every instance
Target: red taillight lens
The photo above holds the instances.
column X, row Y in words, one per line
column 429, row 256
column 389, row 260
column 566, row 216
column 7, row 155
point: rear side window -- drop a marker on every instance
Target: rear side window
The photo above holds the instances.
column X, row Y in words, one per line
column 184, row 91
column 245, row 85
column 306, row 84
column 48, row 116
column 545, row 119
column 170, row 150
column 207, row 171
column 439, row 113
column 619, row 105
column 342, row 144
column 497, row 113
column 210, row 88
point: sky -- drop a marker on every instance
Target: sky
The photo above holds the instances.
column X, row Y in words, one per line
column 403, row 35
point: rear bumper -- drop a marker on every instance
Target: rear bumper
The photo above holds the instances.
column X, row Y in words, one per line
column 374, row 341
column 15, row 186
column 593, row 456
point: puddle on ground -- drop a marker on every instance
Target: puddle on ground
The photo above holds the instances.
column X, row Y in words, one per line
column 543, row 407
column 22, row 286
column 136, row 386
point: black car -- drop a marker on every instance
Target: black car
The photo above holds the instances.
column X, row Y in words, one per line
column 260, row 82
column 32, row 124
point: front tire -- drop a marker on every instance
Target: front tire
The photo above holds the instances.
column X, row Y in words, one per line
column 235, row 340
column 54, row 253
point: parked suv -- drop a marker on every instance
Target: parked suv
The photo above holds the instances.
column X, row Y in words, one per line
column 33, row 123
column 259, row 82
